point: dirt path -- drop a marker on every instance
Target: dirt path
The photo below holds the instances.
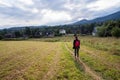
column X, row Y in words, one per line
column 86, row 68
column 53, row 67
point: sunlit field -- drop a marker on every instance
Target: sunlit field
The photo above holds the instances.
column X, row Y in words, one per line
column 48, row 59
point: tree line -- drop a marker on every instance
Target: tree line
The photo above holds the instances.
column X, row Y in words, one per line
column 109, row 28
column 104, row 29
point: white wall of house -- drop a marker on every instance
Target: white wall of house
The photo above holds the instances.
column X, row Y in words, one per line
column 62, row 31
column 94, row 33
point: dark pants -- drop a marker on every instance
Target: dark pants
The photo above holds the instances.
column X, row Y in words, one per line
column 77, row 52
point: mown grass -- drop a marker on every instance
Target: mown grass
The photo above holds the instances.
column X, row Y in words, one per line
column 32, row 60
column 101, row 54
column 69, row 69
column 110, row 44
column 100, row 61
column 105, row 70
column 25, row 59
column 106, row 44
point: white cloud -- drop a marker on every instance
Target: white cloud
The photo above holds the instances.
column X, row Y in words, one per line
column 71, row 6
column 103, row 5
column 4, row 4
column 27, row 2
column 17, row 22
column 35, row 10
column 28, row 9
column 74, row 4
column 50, row 16
column 20, row 4
column 50, row 12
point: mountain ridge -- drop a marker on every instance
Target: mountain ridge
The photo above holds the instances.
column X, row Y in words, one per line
column 114, row 16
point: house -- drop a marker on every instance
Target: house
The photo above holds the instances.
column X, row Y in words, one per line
column 62, row 31
column 25, row 36
column 38, row 34
column 94, row 33
column 9, row 35
column 49, row 34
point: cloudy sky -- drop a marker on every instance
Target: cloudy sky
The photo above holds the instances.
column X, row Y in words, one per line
column 53, row 12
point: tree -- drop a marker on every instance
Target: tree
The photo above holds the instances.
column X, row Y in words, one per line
column 1, row 37
column 101, row 31
column 33, row 31
column 27, row 31
column 4, row 31
column 115, row 32
column 17, row 34
column 109, row 29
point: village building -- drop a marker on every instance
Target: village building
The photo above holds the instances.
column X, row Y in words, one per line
column 38, row 34
column 49, row 34
column 9, row 35
column 94, row 33
column 62, row 31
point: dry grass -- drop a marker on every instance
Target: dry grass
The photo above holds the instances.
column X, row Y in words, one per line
column 47, row 59
column 100, row 57
column 34, row 60
column 25, row 60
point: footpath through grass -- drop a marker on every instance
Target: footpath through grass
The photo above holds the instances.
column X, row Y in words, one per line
column 48, row 59
column 34, row 60
column 102, row 62
column 69, row 69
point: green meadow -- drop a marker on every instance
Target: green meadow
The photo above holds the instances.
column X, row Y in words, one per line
column 48, row 59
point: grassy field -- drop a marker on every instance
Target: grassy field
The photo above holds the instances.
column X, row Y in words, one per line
column 48, row 59
column 102, row 55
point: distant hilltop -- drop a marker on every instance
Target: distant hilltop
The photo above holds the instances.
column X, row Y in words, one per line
column 114, row 16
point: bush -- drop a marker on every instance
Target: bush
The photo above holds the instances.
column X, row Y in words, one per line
column 1, row 37
column 115, row 32
column 101, row 31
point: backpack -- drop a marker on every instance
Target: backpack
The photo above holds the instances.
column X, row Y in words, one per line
column 77, row 43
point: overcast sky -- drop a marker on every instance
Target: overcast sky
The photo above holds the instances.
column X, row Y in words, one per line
column 53, row 12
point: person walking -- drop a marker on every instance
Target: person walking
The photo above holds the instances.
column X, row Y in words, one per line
column 76, row 46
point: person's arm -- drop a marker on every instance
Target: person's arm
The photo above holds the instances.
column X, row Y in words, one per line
column 74, row 44
column 80, row 43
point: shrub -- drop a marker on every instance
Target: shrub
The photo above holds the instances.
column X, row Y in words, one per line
column 115, row 32
column 1, row 37
column 101, row 31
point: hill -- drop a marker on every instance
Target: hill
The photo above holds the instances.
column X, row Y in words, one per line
column 114, row 16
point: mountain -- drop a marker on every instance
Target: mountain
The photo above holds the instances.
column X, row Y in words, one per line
column 15, row 28
column 82, row 21
column 114, row 16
